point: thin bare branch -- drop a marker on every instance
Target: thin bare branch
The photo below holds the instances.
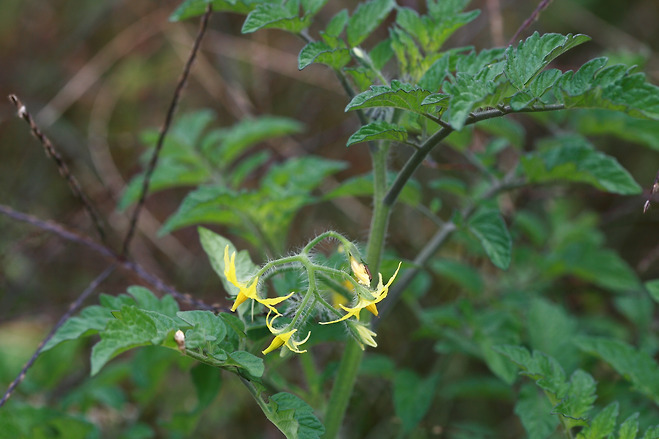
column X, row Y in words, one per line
column 533, row 17
column 64, row 171
column 163, row 131
column 72, row 309
column 69, row 235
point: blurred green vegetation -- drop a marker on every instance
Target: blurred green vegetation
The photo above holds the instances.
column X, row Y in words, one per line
column 97, row 74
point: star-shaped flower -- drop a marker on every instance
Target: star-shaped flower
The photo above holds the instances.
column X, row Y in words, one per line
column 246, row 292
column 283, row 338
column 379, row 294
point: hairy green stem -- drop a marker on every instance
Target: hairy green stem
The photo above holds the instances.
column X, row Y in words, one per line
column 353, row 353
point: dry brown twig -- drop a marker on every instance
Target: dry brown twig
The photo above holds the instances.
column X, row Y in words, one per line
column 164, row 129
column 63, row 169
column 533, row 17
column 77, row 190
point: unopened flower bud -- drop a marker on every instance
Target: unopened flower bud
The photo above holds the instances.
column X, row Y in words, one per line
column 361, row 272
column 179, row 338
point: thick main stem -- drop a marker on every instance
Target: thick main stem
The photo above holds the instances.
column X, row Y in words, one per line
column 353, row 353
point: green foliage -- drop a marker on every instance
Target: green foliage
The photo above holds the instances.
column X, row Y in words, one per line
column 294, row 417
column 412, row 397
column 563, row 291
column 575, row 159
column 378, row 131
column 636, row 366
column 491, row 231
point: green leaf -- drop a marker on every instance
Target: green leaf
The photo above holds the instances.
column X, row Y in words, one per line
column 91, row 320
column 399, row 95
column 462, row 274
column 412, row 397
column 320, row 52
column 337, row 24
column 653, row 288
column 146, row 300
column 629, row 428
column 545, row 370
column 432, row 30
column 170, row 173
column 366, row 18
column 477, row 83
column 551, row 331
column 214, row 246
column 530, row 57
column 210, row 205
column 574, row 159
column 207, row 327
column 613, row 88
column 229, row 143
column 534, row 410
column 193, row 8
column 131, row 328
column 620, row 125
column 207, row 381
column 252, row 364
column 652, row 433
column 282, row 16
column 579, row 400
column 362, row 186
column 294, row 417
column 488, row 226
column 602, row 425
column 246, row 166
column 381, row 54
column 636, row 366
column 378, row 131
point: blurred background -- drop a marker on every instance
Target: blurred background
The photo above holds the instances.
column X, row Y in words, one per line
column 94, row 75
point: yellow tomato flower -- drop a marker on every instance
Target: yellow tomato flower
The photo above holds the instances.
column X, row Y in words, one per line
column 283, row 338
column 360, row 271
column 246, row 292
column 379, row 294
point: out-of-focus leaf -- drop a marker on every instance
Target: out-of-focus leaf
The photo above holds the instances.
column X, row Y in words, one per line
column 362, row 186
column 636, row 366
column 207, row 381
column 91, row 320
column 193, row 8
column 629, row 428
column 284, row 16
column 535, row 412
column 214, row 246
column 602, row 424
column 491, row 230
column 620, row 125
column 412, row 397
column 460, row 273
column 366, row 18
column 579, row 400
column 574, row 159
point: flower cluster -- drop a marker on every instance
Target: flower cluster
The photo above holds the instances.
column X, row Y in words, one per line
column 360, row 282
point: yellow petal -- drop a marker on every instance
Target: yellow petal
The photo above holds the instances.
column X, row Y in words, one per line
column 276, row 344
column 240, row 298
